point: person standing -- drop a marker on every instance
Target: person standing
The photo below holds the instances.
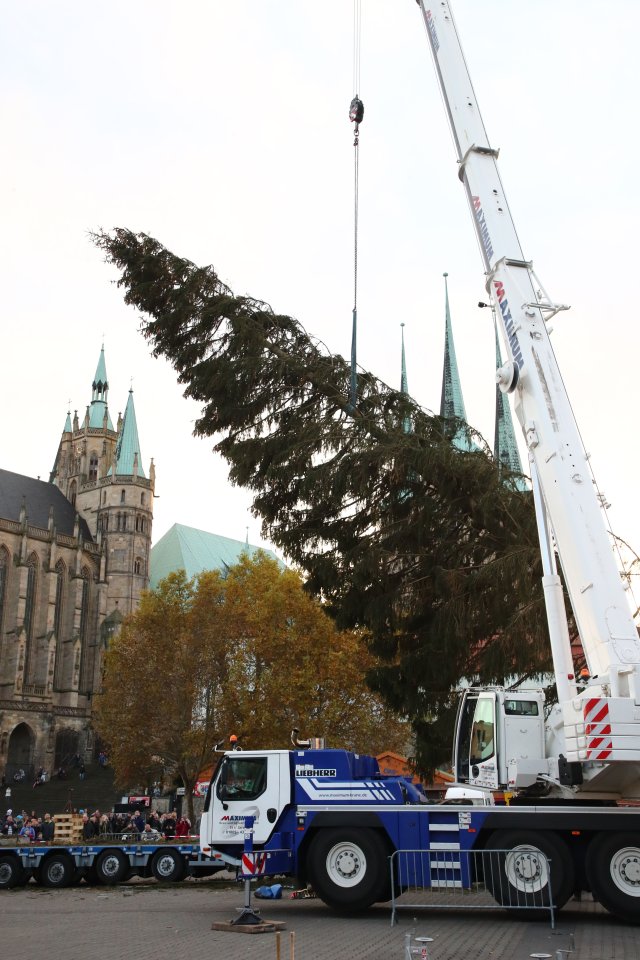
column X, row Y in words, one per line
column 48, row 828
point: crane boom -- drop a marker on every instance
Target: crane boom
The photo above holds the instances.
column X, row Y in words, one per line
column 568, row 510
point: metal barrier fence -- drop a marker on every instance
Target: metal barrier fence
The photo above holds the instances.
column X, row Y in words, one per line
column 518, row 879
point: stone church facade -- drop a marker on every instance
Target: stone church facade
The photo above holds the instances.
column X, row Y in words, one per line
column 74, row 559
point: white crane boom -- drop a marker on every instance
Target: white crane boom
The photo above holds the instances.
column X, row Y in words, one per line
column 603, row 722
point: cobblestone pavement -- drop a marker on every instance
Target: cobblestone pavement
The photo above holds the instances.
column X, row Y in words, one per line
column 144, row 921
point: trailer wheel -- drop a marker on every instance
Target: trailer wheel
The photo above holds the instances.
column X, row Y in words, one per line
column 111, row 867
column 56, row 871
column 168, row 866
column 613, row 872
column 12, row 873
column 520, row 878
column 347, row 867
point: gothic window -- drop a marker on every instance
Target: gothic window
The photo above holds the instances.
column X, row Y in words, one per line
column 57, row 622
column 29, row 606
column 84, row 605
column 57, row 616
column 29, row 610
column 137, row 522
column 4, row 573
column 124, row 521
column 72, row 493
column 142, row 524
column 104, row 496
column 105, row 522
column 138, row 566
column 93, row 466
column 123, row 496
column 142, row 499
column 84, row 663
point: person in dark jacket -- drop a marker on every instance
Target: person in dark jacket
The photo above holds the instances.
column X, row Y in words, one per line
column 88, row 828
column 48, row 829
column 138, row 821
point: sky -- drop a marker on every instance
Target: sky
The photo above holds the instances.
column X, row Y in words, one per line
column 221, row 128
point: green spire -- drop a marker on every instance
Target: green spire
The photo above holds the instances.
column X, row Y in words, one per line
column 100, row 389
column 451, row 402
column 67, row 423
column 404, row 387
column 128, row 445
column 505, row 448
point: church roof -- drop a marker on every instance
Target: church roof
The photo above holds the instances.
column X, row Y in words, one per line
column 194, row 551
column 128, row 443
column 38, row 496
column 97, row 410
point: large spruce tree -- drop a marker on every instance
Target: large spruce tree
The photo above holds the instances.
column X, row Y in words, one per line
column 428, row 549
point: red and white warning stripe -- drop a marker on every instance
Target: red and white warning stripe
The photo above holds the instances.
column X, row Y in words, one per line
column 253, row 864
column 598, row 728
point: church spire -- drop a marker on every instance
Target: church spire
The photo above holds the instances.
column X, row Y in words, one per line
column 98, row 409
column 128, row 459
column 404, row 387
column 451, row 401
column 505, row 448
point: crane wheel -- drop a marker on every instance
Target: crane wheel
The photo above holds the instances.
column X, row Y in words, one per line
column 517, row 877
column 613, row 871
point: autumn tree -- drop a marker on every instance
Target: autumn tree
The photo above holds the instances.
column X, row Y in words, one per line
column 249, row 652
column 427, row 549
column 157, row 708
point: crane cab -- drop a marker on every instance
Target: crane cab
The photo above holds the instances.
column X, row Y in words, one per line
column 499, row 732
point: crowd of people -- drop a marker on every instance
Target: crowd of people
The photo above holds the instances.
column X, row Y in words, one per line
column 27, row 826
column 156, row 826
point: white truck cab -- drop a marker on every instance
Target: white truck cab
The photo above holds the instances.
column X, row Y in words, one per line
column 245, row 784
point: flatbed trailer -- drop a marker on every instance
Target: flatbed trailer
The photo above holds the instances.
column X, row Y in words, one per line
column 105, row 861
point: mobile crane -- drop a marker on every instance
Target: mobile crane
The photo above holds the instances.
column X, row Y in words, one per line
column 330, row 817
column 335, row 816
column 589, row 746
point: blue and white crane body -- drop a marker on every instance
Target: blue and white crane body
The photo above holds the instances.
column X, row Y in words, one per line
column 334, row 815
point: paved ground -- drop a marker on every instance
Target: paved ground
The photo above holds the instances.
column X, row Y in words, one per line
column 143, row 921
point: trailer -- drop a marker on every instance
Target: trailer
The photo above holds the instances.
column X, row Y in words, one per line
column 104, row 861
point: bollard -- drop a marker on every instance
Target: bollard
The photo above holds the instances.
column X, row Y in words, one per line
column 248, row 917
column 421, row 949
column 292, row 945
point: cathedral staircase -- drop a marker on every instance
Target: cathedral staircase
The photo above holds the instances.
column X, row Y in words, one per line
column 95, row 792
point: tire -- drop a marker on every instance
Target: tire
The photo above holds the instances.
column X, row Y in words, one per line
column 347, row 867
column 613, row 872
column 521, row 879
column 12, row 873
column 111, row 867
column 168, row 866
column 57, row 871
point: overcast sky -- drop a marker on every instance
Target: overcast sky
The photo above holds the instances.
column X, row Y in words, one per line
column 220, row 127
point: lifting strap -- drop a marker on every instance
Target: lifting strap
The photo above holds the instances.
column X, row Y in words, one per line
column 356, row 114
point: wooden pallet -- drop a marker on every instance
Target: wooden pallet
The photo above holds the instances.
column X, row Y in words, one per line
column 68, row 827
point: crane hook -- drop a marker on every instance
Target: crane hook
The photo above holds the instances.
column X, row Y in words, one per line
column 356, row 113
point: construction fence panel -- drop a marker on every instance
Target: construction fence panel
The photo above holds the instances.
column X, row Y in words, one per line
column 438, row 878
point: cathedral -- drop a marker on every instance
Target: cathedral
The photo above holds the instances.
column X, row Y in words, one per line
column 74, row 559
